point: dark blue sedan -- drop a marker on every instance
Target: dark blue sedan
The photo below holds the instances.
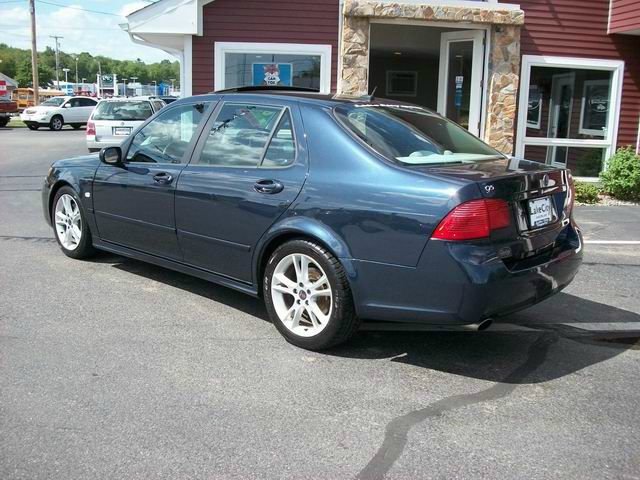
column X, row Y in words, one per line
column 331, row 209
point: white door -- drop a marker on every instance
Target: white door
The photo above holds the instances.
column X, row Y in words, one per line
column 560, row 107
column 460, row 77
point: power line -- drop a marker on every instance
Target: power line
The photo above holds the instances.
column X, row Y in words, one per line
column 80, row 8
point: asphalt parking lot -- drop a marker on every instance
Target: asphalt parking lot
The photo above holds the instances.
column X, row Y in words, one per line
column 112, row 368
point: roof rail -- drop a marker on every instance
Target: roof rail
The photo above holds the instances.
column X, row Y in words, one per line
column 259, row 88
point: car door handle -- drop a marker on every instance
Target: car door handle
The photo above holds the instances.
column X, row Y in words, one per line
column 163, row 178
column 268, row 186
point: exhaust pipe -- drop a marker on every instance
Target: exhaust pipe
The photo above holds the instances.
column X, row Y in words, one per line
column 478, row 327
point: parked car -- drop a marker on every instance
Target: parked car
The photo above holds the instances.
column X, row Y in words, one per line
column 331, row 209
column 57, row 112
column 113, row 120
column 7, row 107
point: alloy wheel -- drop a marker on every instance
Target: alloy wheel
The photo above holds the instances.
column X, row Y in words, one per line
column 301, row 295
column 56, row 123
column 68, row 222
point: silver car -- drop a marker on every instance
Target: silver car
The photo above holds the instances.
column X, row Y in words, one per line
column 114, row 119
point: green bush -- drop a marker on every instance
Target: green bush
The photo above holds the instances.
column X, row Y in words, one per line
column 586, row 192
column 621, row 179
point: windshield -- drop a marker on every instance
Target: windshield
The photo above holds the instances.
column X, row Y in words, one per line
column 54, row 102
column 413, row 135
column 131, row 110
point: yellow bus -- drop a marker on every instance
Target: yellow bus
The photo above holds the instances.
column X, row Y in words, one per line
column 24, row 96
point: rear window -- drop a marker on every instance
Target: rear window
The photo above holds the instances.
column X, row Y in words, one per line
column 122, row 111
column 54, row 101
column 413, row 135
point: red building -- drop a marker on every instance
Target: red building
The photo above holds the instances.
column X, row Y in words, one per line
column 555, row 81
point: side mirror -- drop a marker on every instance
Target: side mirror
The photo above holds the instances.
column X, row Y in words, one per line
column 66, row 105
column 111, row 155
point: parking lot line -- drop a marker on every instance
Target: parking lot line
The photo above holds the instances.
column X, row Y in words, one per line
column 612, row 242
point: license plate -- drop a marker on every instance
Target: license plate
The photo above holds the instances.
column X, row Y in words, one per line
column 122, row 130
column 540, row 212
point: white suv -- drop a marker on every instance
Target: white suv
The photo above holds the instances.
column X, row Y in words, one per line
column 58, row 111
column 114, row 119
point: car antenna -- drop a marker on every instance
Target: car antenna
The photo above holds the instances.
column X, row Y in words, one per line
column 370, row 96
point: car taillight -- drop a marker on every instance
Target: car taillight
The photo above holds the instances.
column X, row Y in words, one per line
column 474, row 219
column 91, row 128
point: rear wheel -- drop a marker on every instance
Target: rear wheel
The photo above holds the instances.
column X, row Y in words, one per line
column 4, row 122
column 308, row 297
column 56, row 123
column 70, row 225
column 33, row 126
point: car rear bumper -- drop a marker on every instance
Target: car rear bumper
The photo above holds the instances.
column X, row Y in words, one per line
column 458, row 283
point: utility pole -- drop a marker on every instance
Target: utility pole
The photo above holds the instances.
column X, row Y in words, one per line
column 34, row 53
column 99, row 80
column 76, row 59
column 57, row 37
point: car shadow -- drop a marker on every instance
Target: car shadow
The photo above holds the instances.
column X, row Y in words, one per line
column 217, row 293
column 561, row 336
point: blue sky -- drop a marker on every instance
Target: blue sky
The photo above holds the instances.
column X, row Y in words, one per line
column 83, row 31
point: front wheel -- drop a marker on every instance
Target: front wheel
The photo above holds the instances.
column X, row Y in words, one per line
column 308, row 297
column 56, row 123
column 70, row 225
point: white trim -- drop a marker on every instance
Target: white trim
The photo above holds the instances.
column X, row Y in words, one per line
column 589, row 131
column 186, row 77
column 611, row 137
column 475, row 100
column 323, row 51
column 390, row 73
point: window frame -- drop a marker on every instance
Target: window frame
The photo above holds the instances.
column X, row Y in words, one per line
column 208, row 105
column 608, row 141
column 321, row 50
column 199, row 148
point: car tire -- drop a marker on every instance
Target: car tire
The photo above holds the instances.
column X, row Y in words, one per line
column 70, row 228
column 4, row 122
column 31, row 126
column 56, row 123
column 314, row 311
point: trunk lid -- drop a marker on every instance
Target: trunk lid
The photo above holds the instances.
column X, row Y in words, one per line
column 525, row 185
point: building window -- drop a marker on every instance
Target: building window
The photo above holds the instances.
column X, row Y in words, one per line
column 568, row 116
column 402, row 84
column 239, row 64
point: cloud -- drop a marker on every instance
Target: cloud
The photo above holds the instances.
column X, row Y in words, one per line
column 82, row 32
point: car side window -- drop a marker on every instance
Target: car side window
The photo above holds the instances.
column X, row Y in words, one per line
column 86, row 102
column 282, row 149
column 74, row 102
column 166, row 138
column 158, row 105
column 239, row 135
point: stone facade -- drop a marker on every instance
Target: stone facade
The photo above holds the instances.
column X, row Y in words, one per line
column 504, row 57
